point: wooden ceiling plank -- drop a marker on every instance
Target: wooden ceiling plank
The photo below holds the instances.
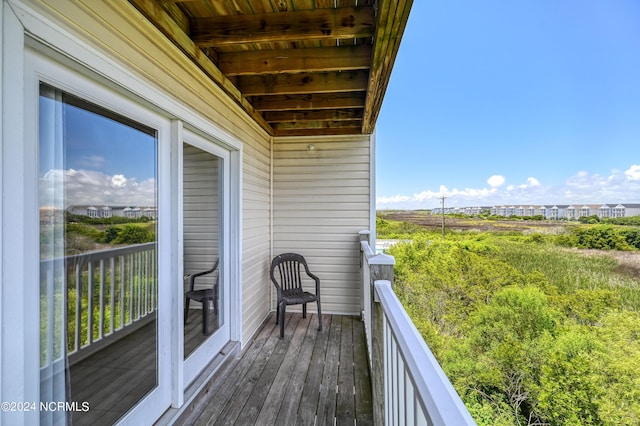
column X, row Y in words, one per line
column 313, row 115
column 316, row 101
column 326, row 82
column 295, row 60
column 158, row 16
column 312, row 24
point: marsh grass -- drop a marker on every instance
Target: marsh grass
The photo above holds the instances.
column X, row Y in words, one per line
column 570, row 270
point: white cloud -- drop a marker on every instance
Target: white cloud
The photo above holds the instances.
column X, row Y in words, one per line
column 533, row 181
column 94, row 188
column 583, row 187
column 118, row 181
column 633, row 172
column 496, row 181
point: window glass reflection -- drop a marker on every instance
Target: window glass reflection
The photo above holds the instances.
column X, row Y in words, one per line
column 98, row 257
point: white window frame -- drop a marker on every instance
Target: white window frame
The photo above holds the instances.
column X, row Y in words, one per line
column 22, row 25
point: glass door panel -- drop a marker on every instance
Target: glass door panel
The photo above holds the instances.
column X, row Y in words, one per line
column 98, row 259
column 204, row 312
column 205, row 236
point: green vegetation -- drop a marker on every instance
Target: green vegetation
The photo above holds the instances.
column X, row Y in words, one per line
column 529, row 327
column 83, row 234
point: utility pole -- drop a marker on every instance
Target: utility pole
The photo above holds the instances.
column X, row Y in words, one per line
column 443, row 198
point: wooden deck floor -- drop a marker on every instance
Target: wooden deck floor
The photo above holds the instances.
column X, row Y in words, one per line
column 307, row 378
column 105, row 379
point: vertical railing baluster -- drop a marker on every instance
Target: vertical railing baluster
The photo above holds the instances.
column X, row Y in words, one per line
column 146, row 282
column 101, row 299
column 123, row 280
column 90, row 283
column 78, row 275
column 130, row 287
column 112, row 294
column 139, row 284
column 410, row 401
column 154, row 281
column 401, row 390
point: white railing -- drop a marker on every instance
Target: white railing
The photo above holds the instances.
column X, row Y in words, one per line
column 109, row 293
column 409, row 386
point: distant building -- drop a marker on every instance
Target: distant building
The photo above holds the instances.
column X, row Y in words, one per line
column 550, row 211
column 110, row 211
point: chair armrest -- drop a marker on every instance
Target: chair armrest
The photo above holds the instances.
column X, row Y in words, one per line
column 317, row 280
column 192, row 277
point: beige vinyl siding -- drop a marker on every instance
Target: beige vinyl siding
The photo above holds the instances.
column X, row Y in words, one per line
column 256, row 243
column 126, row 38
column 321, row 199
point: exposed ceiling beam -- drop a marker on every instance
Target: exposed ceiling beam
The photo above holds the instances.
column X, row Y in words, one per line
column 326, row 82
column 355, row 129
column 313, row 115
column 313, row 24
column 317, row 125
column 392, row 16
column 295, row 60
column 309, row 101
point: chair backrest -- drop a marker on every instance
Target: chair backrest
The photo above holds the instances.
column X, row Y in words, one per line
column 192, row 277
column 285, row 270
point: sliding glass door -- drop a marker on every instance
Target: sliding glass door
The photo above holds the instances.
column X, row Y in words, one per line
column 98, row 201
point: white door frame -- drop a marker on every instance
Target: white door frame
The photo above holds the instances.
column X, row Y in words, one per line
column 202, row 356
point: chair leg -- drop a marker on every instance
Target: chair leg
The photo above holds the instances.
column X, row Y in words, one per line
column 186, row 309
column 278, row 312
column 283, row 307
column 304, row 310
column 205, row 317
column 319, row 317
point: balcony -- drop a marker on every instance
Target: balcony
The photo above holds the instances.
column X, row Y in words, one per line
column 373, row 369
column 377, row 370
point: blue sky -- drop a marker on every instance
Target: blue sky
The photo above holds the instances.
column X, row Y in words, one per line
column 513, row 102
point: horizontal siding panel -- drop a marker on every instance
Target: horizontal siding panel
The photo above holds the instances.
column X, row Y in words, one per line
column 284, row 158
column 317, row 222
column 295, row 168
column 282, row 214
column 324, row 199
column 306, row 187
column 319, row 162
column 329, row 206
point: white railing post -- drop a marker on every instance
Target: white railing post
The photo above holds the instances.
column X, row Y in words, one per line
column 375, row 267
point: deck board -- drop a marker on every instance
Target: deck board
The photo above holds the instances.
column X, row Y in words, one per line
column 307, row 378
column 345, row 406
